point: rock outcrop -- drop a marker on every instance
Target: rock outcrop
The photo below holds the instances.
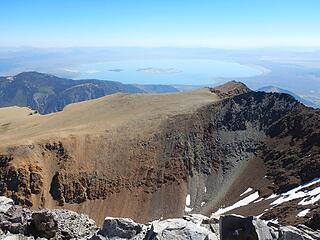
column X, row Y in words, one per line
column 21, row 223
column 17, row 222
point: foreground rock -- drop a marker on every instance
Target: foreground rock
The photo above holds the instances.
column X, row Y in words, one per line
column 21, row 223
column 198, row 227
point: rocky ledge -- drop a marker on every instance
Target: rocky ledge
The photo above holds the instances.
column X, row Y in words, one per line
column 17, row 222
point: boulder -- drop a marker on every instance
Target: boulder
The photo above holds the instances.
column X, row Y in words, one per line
column 233, row 227
column 314, row 221
column 43, row 224
column 312, row 233
column 5, row 204
column 10, row 236
column 72, row 225
column 293, row 233
column 265, row 231
column 120, row 228
column 171, row 229
column 15, row 220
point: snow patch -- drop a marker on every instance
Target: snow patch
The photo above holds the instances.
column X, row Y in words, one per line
column 187, row 209
column 272, row 196
column 309, row 197
column 313, row 197
column 259, row 200
column 246, row 191
column 243, row 202
column 303, row 213
column 275, row 221
column 203, row 203
column 188, row 200
column 205, row 189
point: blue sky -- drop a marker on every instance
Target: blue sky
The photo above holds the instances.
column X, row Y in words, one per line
column 156, row 23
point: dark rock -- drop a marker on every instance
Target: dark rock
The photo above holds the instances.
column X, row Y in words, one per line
column 120, row 228
column 16, row 220
column 314, row 221
column 43, row 224
column 237, row 228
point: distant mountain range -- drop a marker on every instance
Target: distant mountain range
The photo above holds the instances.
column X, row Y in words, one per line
column 47, row 93
column 273, row 89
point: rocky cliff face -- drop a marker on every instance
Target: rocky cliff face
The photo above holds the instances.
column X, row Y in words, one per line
column 224, row 150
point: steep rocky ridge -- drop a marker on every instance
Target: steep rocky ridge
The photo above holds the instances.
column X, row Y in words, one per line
column 140, row 156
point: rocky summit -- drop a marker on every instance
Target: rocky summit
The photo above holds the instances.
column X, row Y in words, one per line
column 21, row 223
column 220, row 152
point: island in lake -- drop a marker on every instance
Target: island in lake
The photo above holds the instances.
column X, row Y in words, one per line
column 115, row 70
column 159, row 70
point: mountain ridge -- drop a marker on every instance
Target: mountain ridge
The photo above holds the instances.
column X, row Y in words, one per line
column 152, row 151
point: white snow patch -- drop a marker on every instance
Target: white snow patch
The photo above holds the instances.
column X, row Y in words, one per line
column 188, row 200
column 272, row 196
column 276, row 221
column 259, row 200
column 303, row 213
column 205, row 189
column 313, row 197
column 243, row 202
column 203, row 203
column 246, row 191
column 187, row 209
column 298, row 192
column 260, row 215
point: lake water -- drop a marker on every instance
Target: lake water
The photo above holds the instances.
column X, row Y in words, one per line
column 170, row 71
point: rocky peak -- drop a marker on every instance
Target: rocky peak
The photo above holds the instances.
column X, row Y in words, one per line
column 230, row 89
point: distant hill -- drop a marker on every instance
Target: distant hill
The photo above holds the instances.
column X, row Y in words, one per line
column 272, row 89
column 47, row 93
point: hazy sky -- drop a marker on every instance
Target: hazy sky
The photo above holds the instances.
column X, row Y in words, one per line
column 154, row 23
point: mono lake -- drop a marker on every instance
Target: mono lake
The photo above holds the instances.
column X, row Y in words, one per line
column 165, row 71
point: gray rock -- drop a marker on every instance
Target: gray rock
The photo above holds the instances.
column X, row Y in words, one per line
column 293, row 233
column 10, row 236
column 190, row 228
column 120, row 228
column 15, row 220
column 311, row 232
column 72, row 225
column 5, row 204
column 57, row 224
column 264, row 231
